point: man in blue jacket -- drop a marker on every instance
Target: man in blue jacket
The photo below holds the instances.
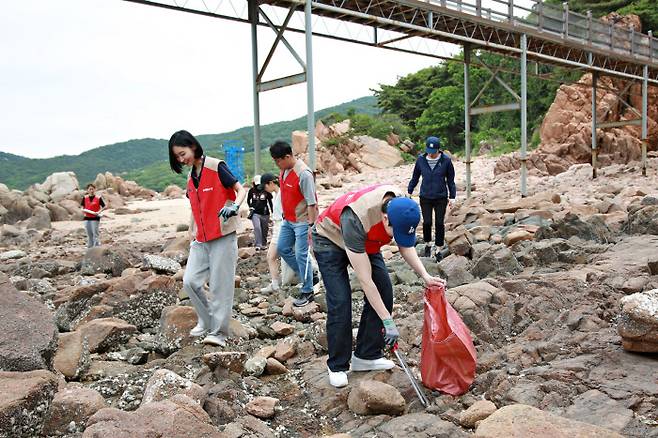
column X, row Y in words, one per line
column 437, row 191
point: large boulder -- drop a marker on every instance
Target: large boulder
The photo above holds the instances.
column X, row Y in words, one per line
column 522, row 421
column 70, row 410
column 40, row 219
column 164, row 384
column 571, row 225
column 104, row 334
column 496, row 260
column 378, row 153
column 638, row 325
column 175, row 325
column 28, row 335
column 372, row 397
column 24, row 402
column 72, row 357
column 643, row 218
column 143, row 307
column 177, row 417
column 102, row 259
column 59, row 185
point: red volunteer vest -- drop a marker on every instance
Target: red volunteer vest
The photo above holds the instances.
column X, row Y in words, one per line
column 207, row 200
column 376, row 235
column 93, row 205
column 292, row 199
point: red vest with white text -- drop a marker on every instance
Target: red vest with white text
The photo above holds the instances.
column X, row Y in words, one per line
column 292, row 199
column 366, row 204
column 93, row 205
column 207, row 200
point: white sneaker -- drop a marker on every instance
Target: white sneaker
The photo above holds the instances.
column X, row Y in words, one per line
column 269, row 288
column 198, row 330
column 359, row 364
column 216, row 340
column 337, row 379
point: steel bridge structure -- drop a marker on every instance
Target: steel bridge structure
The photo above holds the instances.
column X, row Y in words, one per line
column 529, row 30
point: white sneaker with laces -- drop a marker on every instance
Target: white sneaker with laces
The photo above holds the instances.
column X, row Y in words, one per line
column 269, row 288
column 359, row 364
column 337, row 379
column 198, row 330
column 216, row 340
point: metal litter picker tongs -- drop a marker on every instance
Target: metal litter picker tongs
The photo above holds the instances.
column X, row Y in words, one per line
column 412, row 379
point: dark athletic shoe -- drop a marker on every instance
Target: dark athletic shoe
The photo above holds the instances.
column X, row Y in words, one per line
column 428, row 250
column 303, row 299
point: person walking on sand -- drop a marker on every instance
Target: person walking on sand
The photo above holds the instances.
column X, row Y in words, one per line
column 437, row 191
column 351, row 231
column 92, row 207
column 215, row 196
column 260, row 205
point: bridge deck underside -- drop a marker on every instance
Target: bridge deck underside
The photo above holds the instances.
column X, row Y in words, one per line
column 412, row 18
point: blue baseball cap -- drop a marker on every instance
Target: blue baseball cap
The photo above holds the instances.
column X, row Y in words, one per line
column 404, row 216
column 432, row 145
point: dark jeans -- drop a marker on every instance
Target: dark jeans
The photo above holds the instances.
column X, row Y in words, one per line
column 438, row 206
column 333, row 263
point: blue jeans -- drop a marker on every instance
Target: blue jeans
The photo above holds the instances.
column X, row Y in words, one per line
column 333, row 263
column 293, row 247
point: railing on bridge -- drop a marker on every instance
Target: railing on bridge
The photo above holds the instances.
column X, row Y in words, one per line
column 561, row 22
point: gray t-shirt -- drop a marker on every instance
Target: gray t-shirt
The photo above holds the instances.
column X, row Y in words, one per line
column 352, row 230
column 306, row 185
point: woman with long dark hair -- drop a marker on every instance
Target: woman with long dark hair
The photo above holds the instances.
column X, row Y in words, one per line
column 215, row 196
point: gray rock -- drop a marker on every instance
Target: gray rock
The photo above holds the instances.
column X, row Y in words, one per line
column 102, row 259
column 371, row 397
column 419, row 425
column 456, row 269
column 497, row 260
column 638, row 325
column 164, row 384
column 594, row 407
column 12, row 254
column 255, row 366
column 159, row 264
column 28, row 335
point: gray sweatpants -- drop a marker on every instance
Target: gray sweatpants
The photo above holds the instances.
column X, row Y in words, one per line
column 93, row 238
column 214, row 261
column 261, row 227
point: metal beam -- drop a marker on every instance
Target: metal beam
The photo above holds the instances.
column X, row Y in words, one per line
column 310, row 116
column 524, row 114
column 595, row 77
column 467, row 117
column 495, row 108
column 619, row 124
column 645, row 128
column 282, row 82
column 253, row 18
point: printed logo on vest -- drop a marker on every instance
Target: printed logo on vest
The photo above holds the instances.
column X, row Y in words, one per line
column 207, row 189
column 411, row 230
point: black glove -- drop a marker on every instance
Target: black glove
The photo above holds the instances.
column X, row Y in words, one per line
column 228, row 211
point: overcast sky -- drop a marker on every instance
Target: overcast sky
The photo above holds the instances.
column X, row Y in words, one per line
column 78, row 74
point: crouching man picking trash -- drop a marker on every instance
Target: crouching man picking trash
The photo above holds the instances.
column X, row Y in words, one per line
column 351, row 232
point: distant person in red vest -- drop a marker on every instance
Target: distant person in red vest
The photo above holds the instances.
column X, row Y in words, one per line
column 92, row 207
column 299, row 202
column 215, row 196
column 351, row 231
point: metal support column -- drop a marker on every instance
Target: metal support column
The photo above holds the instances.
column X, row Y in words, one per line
column 467, row 118
column 310, row 118
column 524, row 113
column 595, row 77
column 253, row 18
column 645, row 133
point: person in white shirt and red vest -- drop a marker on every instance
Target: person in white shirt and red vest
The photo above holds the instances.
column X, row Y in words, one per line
column 215, row 196
column 92, row 207
column 299, row 202
column 351, row 231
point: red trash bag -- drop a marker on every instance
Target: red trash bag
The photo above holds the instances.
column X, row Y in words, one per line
column 447, row 355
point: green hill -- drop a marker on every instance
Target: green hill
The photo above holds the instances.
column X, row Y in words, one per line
column 146, row 160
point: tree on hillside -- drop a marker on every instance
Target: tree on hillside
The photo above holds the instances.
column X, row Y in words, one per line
column 647, row 10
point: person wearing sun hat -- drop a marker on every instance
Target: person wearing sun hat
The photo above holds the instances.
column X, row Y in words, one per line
column 351, row 231
column 437, row 191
